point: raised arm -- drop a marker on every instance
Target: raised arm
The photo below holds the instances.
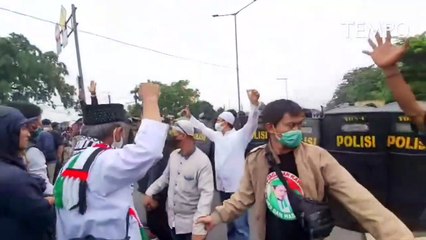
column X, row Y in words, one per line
column 92, row 90
column 386, row 56
column 208, row 132
column 250, row 127
column 122, row 167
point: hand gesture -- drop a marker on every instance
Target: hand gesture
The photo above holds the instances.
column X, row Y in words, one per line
column 149, row 91
column 150, row 203
column 253, row 96
column 385, row 54
column 186, row 112
column 208, row 222
column 92, row 88
column 198, row 237
column 51, row 200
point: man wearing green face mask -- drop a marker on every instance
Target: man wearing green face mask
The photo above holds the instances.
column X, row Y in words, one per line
column 306, row 170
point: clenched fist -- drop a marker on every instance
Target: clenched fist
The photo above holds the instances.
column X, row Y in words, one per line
column 149, row 91
column 253, row 96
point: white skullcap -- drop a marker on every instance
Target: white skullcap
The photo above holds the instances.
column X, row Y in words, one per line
column 185, row 127
column 227, row 117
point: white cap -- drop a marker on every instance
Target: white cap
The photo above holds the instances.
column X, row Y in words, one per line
column 227, row 117
column 185, row 127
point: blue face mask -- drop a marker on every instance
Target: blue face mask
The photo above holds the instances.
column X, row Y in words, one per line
column 291, row 139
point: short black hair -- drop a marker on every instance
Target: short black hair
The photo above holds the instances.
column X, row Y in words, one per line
column 29, row 110
column 275, row 111
column 46, row 122
column 55, row 125
column 233, row 112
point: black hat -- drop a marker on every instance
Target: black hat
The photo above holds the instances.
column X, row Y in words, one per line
column 104, row 113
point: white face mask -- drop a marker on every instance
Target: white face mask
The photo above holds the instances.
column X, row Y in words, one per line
column 117, row 144
column 218, row 127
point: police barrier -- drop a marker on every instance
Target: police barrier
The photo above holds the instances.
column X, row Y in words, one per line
column 312, row 131
column 356, row 137
column 407, row 171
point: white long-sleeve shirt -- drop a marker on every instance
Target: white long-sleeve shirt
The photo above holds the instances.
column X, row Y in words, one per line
column 37, row 165
column 229, row 150
column 190, row 191
column 109, row 194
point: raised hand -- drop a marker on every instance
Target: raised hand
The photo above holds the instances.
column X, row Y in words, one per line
column 149, row 91
column 253, row 96
column 186, row 112
column 385, row 54
column 92, row 88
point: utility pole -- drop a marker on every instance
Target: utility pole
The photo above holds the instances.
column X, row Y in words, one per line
column 236, row 47
column 77, row 49
column 62, row 36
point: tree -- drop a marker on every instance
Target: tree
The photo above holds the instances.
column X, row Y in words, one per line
column 203, row 107
column 135, row 110
column 26, row 73
column 175, row 97
column 368, row 83
column 361, row 84
column 413, row 65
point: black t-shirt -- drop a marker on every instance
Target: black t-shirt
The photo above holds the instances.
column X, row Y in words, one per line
column 57, row 138
column 281, row 223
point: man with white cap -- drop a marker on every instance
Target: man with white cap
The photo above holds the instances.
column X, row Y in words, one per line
column 189, row 177
column 230, row 146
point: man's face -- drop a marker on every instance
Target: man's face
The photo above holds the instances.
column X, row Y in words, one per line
column 24, row 137
column 280, row 192
column 287, row 123
column 32, row 127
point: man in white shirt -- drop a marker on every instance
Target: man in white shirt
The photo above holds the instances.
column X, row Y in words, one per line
column 189, row 177
column 230, row 146
column 94, row 189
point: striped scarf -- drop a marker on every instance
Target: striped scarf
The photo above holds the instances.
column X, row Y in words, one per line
column 82, row 143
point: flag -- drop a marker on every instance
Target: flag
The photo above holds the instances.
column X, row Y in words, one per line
column 63, row 18
column 58, row 39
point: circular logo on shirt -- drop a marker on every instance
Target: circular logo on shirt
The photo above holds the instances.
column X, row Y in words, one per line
column 276, row 195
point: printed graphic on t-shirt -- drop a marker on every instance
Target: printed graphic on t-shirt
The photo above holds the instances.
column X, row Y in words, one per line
column 276, row 195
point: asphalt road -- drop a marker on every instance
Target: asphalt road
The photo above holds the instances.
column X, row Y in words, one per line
column 219, row 233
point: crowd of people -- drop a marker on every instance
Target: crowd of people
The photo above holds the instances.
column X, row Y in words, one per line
column 78, row 184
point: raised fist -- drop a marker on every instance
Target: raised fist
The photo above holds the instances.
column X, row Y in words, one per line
column 253, row 96
column 149, row 91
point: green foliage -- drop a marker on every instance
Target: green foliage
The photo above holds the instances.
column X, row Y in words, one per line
column 361, row 84
column 26, row 73
column 174, row 98
column 135, row 110
column 368, row 83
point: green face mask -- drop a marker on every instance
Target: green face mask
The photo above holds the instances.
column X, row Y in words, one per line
column 291, row 139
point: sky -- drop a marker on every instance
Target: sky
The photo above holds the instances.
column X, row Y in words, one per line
column 311, row 43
